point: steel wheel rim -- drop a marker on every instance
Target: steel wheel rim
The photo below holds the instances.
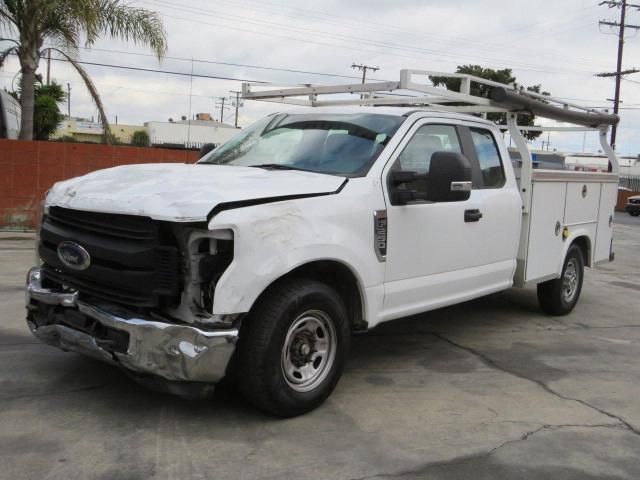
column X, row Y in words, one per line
column 570, row 280
column 309, row 350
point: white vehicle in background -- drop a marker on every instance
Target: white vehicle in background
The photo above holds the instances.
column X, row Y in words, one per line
column 260, row 260
column 10, row 116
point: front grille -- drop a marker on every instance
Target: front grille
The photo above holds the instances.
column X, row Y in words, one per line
column 134, row 260
column 128, row 227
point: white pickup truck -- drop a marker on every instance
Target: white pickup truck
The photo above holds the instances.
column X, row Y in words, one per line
column 259, row 261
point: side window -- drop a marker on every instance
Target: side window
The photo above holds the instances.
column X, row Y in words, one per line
column 488, row 157
column 416, row 155
column 428, row 139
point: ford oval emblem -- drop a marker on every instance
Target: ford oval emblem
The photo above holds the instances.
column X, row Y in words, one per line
column 74, row 256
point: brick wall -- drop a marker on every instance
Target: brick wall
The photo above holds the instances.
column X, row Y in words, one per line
column 29, row 169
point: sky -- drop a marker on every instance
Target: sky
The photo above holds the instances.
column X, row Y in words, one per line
column 557, row 44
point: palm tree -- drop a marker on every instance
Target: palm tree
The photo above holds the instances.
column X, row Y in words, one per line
column 63, row 24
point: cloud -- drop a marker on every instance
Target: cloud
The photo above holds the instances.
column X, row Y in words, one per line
column 556, row 44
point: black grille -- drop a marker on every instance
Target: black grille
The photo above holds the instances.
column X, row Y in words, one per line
column 134, row 261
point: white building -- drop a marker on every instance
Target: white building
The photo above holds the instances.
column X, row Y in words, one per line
column 190, row 133
column 628, row 165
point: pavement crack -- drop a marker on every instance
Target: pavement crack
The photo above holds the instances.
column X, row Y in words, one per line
column 495, row 365
column 478, row 456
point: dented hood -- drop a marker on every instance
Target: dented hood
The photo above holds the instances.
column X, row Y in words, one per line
column 183, row 193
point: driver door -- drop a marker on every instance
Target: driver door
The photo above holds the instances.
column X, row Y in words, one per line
column 437, row 252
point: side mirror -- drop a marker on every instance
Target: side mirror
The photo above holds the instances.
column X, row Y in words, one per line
column 403, row 196
column 449, row 178
column 398, row 177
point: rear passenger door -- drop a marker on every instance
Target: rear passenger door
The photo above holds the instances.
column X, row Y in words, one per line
column 437, row 254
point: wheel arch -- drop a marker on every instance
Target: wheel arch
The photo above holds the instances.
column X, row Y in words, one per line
column 585, row 245
column 336, row 275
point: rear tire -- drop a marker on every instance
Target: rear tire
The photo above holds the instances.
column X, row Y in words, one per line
column 634, row 214
column 559, row 296
column 292, row 347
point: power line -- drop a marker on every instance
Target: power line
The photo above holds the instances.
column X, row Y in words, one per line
column 347, row 38
column 154, row 70
column 397, row 31
column 216, row 62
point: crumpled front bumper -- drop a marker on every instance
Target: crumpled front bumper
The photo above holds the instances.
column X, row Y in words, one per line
column 175, row 352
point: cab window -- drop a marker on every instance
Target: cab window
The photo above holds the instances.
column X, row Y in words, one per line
column 416, row 155
column 489, row 158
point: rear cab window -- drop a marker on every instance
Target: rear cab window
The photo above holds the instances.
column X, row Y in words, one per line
column 488, row 154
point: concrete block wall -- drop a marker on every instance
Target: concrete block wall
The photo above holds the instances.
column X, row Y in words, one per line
column 29, row 169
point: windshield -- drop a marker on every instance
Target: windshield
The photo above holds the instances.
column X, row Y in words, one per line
column 339, row 144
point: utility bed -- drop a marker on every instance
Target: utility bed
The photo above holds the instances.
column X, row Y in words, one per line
column 564, row 203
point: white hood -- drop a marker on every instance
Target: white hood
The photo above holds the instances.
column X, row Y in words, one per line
column 179, row 192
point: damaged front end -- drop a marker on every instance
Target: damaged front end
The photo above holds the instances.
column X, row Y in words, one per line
column 175, row 352
column 135, row 293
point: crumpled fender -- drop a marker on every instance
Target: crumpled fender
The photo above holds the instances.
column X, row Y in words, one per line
column 271, row 240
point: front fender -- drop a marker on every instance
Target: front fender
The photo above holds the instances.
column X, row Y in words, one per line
column 273, row 239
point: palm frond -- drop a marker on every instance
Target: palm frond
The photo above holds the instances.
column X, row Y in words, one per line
column 132, row 24
column 6, row 53
column 8, row 13
column 93, row 91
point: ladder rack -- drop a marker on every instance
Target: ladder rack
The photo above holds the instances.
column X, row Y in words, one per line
column 408, row 92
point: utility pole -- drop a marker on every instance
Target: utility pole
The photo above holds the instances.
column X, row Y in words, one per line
column 363, row 68
column 222, row 109
column 622, row 5
column 221, row 105
column 48, row 66
column 69, row 100
column 236, row 104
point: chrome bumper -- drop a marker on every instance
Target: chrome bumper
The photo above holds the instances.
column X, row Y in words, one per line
column 172, row 351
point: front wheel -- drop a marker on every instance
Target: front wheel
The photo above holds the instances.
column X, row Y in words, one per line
column 293, row 347
column 559, row 296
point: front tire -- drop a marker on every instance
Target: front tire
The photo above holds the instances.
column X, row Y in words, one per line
column 559, row 296
column 292, row 347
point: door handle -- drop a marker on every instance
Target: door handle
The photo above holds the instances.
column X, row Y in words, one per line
column 472, row 215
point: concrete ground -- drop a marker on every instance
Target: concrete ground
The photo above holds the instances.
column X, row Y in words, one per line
column 491, row 389
column 623, row 218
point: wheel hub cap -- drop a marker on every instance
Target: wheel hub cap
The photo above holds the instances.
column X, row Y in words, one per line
column 570, row 281
column 309, row 350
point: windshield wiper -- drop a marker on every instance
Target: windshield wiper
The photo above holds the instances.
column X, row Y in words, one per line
column 277, row 166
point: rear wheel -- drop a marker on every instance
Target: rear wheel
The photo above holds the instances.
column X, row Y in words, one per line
column 559, row 296
column 634, row 214
column 293, row 347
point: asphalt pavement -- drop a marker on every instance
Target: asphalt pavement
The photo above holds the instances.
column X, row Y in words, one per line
column 623, row 218
column 490, row 389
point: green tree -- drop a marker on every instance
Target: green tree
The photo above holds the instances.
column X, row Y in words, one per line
column 46, row 114
column 140, row 138
column 63, row 23
column 502, row 76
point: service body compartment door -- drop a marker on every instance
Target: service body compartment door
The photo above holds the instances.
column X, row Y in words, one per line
column 608, row 197
column 545, row 243
column 582, row 203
